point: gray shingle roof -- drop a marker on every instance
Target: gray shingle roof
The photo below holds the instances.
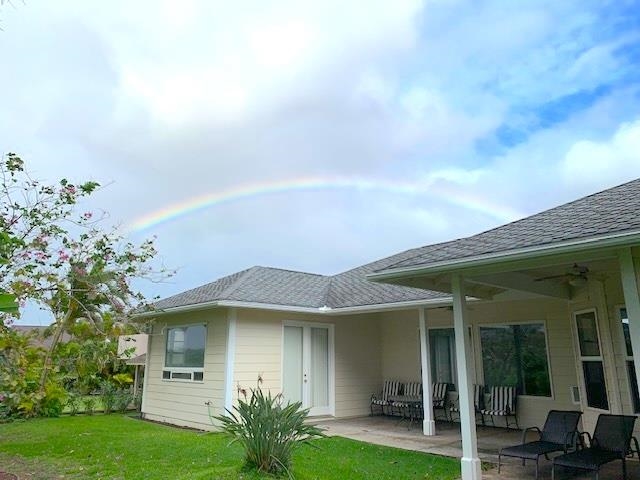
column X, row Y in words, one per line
column 257, row 285
column 612, row 211
column 274, row 286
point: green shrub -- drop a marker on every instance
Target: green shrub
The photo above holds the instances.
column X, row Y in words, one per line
column 73, row 403
column 123, row 400
column 108, row 396
column 268, row 431
column 89, row 405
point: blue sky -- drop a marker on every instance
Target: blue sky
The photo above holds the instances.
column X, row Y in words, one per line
column 417, row 121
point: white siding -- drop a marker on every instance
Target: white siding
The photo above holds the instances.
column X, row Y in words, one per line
column 183, row 403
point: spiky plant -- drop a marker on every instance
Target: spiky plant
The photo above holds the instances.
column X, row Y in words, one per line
column 268, row 431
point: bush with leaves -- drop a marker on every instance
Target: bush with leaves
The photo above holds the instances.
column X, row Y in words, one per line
column 21, row 365
column 108, row 394
column 268, row 431
column 89, row 405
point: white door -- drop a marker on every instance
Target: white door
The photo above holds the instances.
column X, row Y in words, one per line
column 307, row 361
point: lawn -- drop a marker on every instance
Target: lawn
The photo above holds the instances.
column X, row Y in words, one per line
column 120, row 447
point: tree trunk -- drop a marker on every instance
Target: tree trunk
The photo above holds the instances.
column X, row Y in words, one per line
column 57, row 335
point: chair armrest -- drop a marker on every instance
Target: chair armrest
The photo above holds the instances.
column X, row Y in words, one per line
column 634, row 440
column 580, row 438
column 524, row 433
column 571, row 441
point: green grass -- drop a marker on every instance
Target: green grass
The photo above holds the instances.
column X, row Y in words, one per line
column 119, row 447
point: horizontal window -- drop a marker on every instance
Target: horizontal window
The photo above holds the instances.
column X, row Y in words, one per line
column 185, row 346
column 516, row 355
column 195, row 376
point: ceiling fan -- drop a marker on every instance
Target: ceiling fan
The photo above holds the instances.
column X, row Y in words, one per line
column 575, row 276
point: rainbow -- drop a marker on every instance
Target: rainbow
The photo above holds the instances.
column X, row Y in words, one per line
column 442, row 191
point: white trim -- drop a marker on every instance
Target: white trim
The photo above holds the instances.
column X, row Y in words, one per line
column 147, row 372
column 378, row 307
column 580, row 359
column 331, row 367
column 629, row 276
column 230, row 356
column 569, row 246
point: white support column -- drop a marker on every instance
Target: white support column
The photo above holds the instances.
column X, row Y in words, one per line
column 629, row 271
column 230, row 357
column 470, row 462
column 428, row 424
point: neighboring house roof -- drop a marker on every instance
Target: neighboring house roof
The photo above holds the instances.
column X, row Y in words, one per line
column 139, row 360
column 610, row 212
column 39, row 339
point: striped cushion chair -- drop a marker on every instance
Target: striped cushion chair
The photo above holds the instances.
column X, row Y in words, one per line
column 440, row 397
column 406, row 405
column 502, row 404
column 478, row 402
column 390, row 388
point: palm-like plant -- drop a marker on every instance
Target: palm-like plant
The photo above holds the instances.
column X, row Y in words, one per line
column 268, row 431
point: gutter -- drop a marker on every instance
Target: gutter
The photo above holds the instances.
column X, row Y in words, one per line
column 526, row 253
column 327, row 311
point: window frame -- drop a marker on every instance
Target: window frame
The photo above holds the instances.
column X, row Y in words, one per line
column 627, row 358
column 584, row 396
column 479, row 326
column 182, row 370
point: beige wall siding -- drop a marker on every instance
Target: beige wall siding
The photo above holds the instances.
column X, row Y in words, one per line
column 400, row 347
column 183, row 402
column 357, row 355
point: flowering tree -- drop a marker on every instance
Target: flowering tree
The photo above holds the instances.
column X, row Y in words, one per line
column 61, row 259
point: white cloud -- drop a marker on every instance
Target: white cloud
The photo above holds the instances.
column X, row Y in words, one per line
column 605, row 162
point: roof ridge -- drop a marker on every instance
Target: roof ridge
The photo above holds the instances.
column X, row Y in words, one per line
column 291, row 271
column 242, row 277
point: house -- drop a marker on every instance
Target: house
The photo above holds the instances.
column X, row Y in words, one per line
column 549, row 303
column 133, row 350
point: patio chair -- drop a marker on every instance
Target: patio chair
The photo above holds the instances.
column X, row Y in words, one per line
column 610, row 441
column 559, row 434
column 390, row 388
column 440, row 399
column 408, row 403
column 478, row 403
column 502, row 404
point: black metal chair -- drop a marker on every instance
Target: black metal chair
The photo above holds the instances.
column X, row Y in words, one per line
column 559, row 434
column 610, row 441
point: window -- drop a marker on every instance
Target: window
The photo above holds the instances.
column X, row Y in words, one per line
column 184, row 355
column 631, row 370
column 591, row 358
column 516, row 355
column 442, row 347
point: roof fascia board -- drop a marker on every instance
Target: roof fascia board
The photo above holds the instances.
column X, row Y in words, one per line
column 527, row 253
column 432, row 303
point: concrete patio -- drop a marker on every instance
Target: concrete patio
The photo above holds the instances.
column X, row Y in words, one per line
column 392, row 432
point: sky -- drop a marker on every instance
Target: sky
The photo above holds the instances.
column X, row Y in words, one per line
column 319, row 136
